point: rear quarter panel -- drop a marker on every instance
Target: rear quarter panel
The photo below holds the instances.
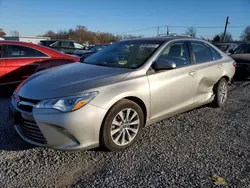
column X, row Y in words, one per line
column 208, row 74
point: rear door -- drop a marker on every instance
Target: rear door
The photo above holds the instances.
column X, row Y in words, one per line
column 209, row 69
column 20, row 62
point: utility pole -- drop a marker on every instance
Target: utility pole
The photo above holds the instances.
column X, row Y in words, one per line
column 167, row 30
column 225, row 29
column 158, row 29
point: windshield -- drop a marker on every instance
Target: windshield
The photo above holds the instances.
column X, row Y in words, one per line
column 125, row 54
column 222, row 47
column 243, row 48
column 97, row 48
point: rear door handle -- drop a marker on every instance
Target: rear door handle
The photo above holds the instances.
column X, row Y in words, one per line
column 192, row 73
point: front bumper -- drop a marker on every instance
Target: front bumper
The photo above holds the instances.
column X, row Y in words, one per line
column 65, row 131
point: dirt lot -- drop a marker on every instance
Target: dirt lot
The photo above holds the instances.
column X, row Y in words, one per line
column 183, row 151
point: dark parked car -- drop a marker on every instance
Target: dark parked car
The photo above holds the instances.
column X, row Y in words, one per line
column 242, row 57
column 85, row 53
column 226, row 47
column 65, row 46
column 18, row 60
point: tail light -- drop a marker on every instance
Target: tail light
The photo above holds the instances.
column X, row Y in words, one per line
column 234, row 64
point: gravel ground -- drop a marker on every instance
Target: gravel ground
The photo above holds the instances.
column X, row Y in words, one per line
column 183, row 151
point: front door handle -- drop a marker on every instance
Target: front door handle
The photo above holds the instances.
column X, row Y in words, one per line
column 192, row 73
column 220, row 66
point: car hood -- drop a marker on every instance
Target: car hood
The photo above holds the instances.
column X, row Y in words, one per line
column 67, row 80
column 241, row 57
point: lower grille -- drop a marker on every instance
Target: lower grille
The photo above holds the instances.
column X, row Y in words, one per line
column 30, row 130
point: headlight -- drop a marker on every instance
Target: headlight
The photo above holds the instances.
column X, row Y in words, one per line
column 67, row 104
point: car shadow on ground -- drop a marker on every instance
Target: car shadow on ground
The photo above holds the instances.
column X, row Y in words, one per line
column 9, row 139
column 13, row 142
column 6, row 91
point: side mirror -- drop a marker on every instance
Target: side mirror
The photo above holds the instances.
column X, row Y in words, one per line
column 231, row 51
column 163, row 64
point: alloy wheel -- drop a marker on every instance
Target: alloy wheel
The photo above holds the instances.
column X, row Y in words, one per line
column 125, row 127
column 223, row 92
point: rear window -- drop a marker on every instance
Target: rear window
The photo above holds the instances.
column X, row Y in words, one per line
column 222, row 47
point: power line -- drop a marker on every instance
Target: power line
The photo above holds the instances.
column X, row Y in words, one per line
column 179, row 26
column 208, row 27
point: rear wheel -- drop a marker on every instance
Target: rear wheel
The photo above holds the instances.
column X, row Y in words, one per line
column 220, row 90
column 122, row 125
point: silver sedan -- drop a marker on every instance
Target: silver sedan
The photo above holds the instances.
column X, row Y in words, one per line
column 107, row 99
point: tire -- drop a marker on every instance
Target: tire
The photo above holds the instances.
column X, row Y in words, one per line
column 125, row 129
column 220, row 91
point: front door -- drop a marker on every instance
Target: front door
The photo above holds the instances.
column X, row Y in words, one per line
column 173, row 90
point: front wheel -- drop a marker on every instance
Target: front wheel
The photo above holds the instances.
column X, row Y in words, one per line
column 122, row 125
column 220, row 90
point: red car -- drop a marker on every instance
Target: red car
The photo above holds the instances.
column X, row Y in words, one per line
column 18, row 60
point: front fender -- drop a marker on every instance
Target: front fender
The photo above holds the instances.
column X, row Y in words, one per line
column 111, row 94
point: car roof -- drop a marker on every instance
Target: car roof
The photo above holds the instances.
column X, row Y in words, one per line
column 44, row 49
column 59, row 40
column 163, row 39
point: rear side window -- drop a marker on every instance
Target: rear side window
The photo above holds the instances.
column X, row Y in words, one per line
column 215, row 55
column 201, row 52
column 22, row 51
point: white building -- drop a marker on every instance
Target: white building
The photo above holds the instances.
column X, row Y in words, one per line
column 34, row 40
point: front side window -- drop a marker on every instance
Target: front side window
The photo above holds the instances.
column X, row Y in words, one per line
column 125, row 54
column 178, row 53
column 222, row 47
column 201, row 52
column 22, row 51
